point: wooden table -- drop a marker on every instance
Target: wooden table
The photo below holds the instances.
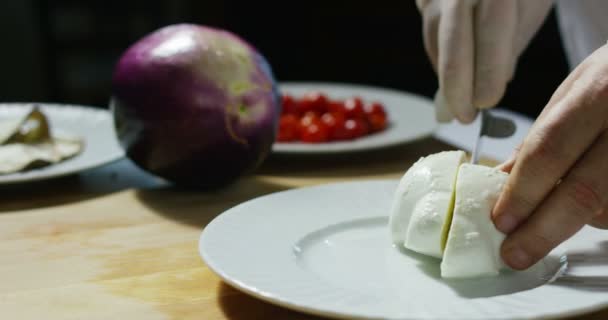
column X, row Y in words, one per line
column 116, row 244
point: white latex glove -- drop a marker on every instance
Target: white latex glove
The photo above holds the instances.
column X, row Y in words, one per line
column 474, row 46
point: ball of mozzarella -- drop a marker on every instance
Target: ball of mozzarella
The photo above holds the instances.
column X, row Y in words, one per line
column 442, row 208
column 422, row 202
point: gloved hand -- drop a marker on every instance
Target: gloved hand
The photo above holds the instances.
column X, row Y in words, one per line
column 474, row 47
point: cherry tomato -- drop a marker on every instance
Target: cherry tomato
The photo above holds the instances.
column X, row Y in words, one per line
column 332, row 121
column 289, row 105
column 335, row 106
column 353, row 108
column 377, row 122
column 288, row 128
column 315, row 132
column 315, row 118
column 308, row 117
column 345, row 131
column 361, row 128
column 374, row 108
column 313, row 101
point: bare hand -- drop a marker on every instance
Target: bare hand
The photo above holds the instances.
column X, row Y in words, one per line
column 559, row 175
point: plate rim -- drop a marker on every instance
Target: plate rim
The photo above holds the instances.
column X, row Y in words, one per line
column 18, row 178
column 269, row 298
column 284, row 148
column 286, row 303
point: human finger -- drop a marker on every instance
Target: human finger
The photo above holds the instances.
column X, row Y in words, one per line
column 495, row 27
column 580, row 198
column 549, row 151
column 455, row 59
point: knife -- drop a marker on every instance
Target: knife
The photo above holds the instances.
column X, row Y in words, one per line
column 491, row 126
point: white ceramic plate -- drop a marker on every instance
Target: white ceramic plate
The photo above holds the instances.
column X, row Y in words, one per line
column 93, row 125
column 325, row 250
column 411, row 117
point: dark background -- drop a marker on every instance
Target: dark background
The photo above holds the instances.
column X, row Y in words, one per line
column 65, row 50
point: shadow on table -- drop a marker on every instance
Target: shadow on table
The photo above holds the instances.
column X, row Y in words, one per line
column 88, row 184
column 40, row 194
column 198, row 208
column 239, row 306
column 381, row 162
column 278, row 173
column 121, row 175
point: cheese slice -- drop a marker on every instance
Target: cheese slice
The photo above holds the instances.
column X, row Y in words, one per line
column 17, row 157
column 473, row 242
column 9, row 126
column 26, row 142
column 423, row 202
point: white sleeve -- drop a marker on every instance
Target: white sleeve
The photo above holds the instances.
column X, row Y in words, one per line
column 584, row 27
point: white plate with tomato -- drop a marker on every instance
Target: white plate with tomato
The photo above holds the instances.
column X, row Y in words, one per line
column 335, row 118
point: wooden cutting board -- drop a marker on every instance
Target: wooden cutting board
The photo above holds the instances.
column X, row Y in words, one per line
column 70, row 254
